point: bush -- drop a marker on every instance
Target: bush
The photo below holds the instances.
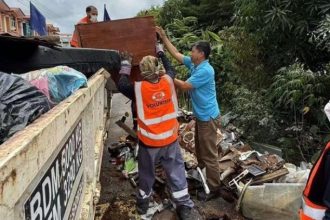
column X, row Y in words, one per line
column 253, row 112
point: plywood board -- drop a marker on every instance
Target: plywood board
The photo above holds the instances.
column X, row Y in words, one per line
column 136, row 35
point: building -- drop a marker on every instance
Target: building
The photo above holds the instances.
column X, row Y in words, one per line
column 65, row 40
column 14, row 22
column 52, row 30
column 20, row 22
column 4, row 17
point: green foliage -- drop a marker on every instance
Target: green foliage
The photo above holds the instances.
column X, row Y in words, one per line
column 295, row 88
column 241, row 59
column 153, row 11
column 299, row 95
column 272, row 64
column 170, row 11
column 254, row 115
column 283, row 28
column 211, row 14
column 321, row 35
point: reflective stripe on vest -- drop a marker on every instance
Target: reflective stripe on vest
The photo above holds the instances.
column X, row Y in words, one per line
column 157, row 109
column 159, row 119
column 312, row 209
column 312, row 212
column 160, row 136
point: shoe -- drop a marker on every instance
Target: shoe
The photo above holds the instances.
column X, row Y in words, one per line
column 202, row 196
column 187, row 213
column 142, row 206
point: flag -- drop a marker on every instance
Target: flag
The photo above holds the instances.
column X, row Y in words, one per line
column 106, row 16
column 37, row 21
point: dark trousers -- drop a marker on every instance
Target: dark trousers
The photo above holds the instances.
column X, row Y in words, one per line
column 173, row 164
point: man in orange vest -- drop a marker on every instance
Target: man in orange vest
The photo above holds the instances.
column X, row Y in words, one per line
column 157, row 110
column 91, row 17
column 316, row 195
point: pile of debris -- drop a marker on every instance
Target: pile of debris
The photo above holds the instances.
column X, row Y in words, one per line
column 238, row 162
column 240, row 165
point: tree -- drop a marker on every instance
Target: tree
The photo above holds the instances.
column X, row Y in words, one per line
column 283, row 28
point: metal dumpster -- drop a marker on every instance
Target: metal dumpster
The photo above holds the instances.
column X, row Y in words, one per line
column 50, row 170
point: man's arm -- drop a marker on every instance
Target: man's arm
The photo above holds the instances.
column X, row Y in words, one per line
column 185, row 86
column 170, row 47
column 167, row 65
column 126, row 87
column 124, row 84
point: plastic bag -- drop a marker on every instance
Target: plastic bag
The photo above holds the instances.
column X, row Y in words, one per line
column 62, row 81
column 20, row 104
column 296, row 174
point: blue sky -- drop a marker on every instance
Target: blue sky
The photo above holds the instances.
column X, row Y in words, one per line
column 65, row 13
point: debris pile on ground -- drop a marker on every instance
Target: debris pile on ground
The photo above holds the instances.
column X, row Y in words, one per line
column 240, row 164
column 296, row 174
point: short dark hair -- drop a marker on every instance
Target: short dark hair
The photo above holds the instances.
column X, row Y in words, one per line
column 90, row 8
column 203, row 46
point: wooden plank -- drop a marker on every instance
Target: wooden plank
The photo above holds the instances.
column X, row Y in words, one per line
column 126, row 128
column 269, row 177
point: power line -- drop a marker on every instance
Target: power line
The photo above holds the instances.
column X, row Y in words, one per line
column 46, row 8
column 41, row 7
column 26, row 6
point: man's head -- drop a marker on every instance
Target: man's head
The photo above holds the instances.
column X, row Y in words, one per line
column 92, row 13
column 200, row 51
column 151, row 69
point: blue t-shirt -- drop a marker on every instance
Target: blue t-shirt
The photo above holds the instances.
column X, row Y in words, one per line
column 203, row 95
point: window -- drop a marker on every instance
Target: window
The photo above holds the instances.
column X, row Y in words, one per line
column 26, row 30
column 12, row 23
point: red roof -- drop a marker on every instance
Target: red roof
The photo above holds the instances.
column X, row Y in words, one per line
column 19, row 13
column 4, row 6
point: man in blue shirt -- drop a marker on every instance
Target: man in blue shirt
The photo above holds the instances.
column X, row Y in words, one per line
column 201, row 86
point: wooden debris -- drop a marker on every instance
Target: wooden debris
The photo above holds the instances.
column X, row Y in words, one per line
column 269, row 177
column 126, row 128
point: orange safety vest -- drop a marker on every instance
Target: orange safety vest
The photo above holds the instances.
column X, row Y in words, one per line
column 312, row 206
column 74, row 39
column 157, row 110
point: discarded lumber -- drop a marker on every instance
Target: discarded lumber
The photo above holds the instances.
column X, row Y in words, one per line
column 269, row 177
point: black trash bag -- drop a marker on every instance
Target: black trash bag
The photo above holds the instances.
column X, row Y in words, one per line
column 20, row 104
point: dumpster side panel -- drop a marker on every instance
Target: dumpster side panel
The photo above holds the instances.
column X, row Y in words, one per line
column 39, row 150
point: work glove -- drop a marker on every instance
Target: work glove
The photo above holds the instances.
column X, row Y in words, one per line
column 159, row 49
column 126, row 63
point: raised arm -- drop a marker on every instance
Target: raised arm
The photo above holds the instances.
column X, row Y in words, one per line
column 170, row 47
